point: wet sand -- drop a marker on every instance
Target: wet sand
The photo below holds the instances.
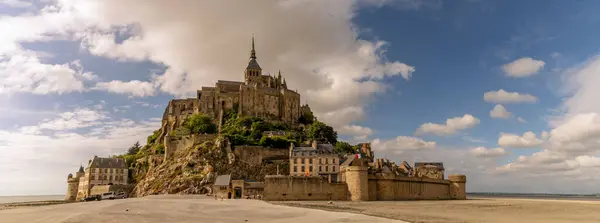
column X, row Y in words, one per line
column 177, row 208
column 493, row 210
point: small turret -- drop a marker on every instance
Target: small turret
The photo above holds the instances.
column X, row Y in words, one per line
column 70, row 176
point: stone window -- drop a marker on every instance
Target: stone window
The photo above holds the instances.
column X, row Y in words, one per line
column 320, row 168
column 93, row 177
column 320, row 161
column 333, row 168
column 310, row 169
column 295, row 169
column 310, row 161
column 326, row 168
column 326, row 160
column 302, row 168
column 302, row 161
column 105, row 170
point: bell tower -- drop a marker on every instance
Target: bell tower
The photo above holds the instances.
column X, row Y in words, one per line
column 253, row 71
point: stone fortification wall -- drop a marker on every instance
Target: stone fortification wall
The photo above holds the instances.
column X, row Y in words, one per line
column 255, row 155
column 174, row 144
column 407, row 188
column 279, row 188
column 360, row 186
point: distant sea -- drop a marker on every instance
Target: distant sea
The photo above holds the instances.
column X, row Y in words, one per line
column 535, row 196
column 12, row 199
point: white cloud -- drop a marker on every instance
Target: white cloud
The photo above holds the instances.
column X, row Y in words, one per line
column 31, row 158
column 25, row 73
column 528, row 140
column 500, row 112
column 488, row 153
column 16, row 3
column 452, row 126
column 521, row 120
column 133, row 88
column 356, row 131
column 503, row 97
column 401, row 144
column 334, row 73
column 523, row 67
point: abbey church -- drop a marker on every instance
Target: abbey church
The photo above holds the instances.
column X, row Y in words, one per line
column 259, row 95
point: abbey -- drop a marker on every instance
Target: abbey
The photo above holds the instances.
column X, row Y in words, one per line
column 259, row 95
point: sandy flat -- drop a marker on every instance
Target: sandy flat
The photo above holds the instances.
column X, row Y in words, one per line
column 475, row 210
column 175, row 208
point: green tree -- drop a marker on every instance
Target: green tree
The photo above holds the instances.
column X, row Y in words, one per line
column 200, row 123
column 344, row 148
column 322, row 132
column 152, row 138
column 306, row 119
column 134, row 149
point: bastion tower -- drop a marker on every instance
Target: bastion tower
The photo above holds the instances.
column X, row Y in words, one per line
column 73, row 184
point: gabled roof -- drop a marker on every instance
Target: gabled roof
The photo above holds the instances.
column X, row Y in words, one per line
column 223, row 180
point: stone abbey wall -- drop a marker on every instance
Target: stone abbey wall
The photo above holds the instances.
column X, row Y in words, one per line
column 360, row 186
column 281, row 188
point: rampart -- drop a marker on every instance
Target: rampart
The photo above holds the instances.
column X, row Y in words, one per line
column 256, row 155
column 379, row 187
column 280, row 188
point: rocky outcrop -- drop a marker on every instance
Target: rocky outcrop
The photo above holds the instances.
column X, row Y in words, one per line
column 192, row 170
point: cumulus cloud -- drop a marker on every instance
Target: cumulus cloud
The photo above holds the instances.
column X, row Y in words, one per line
column 521, row 120
column 25, row 73
column 335, row 73
column 503, row 97
column 74, row 137
column 133, row 88
column 452, row 126
column 488, row 153
column 356, row 131
column 401, row 144
column 523, row 67
column 527, row 140
column 573, row 143
column 500, row 112
column 16, row 3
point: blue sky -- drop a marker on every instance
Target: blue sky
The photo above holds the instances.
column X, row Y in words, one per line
column 81, row 78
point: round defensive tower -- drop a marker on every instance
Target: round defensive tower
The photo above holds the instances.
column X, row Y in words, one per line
column 458, row 186
column 72, row 187
column 358, row 183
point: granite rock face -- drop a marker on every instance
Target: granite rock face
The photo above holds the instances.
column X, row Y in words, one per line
column 193, row 170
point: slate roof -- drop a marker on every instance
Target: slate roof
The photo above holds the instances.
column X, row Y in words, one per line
column 223, row 180
column 80, row 169
column 253, row 64
column 348, row 161
column 116, row 163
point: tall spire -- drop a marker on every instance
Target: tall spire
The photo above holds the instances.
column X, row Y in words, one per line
column 253, row 52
